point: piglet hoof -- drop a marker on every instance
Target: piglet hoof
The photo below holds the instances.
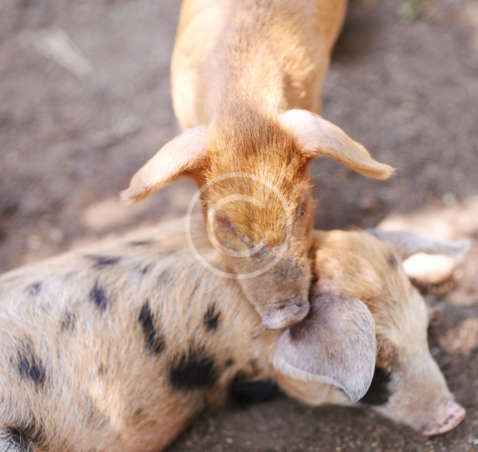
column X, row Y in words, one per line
column 451, row 415
column 286, row 314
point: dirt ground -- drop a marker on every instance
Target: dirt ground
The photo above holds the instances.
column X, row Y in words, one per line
column 84, row 100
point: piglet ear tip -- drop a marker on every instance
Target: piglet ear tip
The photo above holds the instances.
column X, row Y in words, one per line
column 356, row 394
column 125, row 197
column 380, row 171
column 375, row 170
column 130, row 196
column 388, row 171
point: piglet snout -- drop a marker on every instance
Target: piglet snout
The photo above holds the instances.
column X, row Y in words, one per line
column 448, row 416
column 285, row 313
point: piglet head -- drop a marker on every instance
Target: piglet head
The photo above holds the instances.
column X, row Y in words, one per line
column 256, row 194
column 408, row 385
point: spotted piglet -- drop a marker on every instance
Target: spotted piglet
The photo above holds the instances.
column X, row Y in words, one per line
column 118, row 347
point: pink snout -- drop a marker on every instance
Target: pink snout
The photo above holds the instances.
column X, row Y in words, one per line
column 448, row 416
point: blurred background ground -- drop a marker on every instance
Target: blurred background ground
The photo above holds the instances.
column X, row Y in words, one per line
column 84, row 100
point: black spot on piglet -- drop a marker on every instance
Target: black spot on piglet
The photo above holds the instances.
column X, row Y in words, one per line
column 141, row 243
column 379, row 392
column 244, row 391
column 29, row 365
column 98, row 297
column 22, row 438
column 154, row 341
column 103, row 261
column 14, row 440
column 34, row 288
column 211, row 318
column 68, row 322
column 392, row 260
column 165, row 277
column 195, row 369
column 145, row 269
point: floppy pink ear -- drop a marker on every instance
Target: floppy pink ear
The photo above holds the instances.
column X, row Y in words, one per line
column 335, row 344
column 318, row 137
column 182, row 154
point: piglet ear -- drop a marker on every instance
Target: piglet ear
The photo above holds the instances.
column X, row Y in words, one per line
column 427, row 261
column 318, row 137
column 408, row 243
column 335, row 345
column 184, row 154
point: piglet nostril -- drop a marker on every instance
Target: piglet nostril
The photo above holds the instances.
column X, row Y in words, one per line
column 452, row 415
